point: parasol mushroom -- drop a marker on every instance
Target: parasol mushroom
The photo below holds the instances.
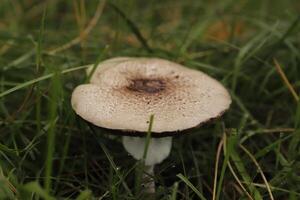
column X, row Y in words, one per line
column 123, row 92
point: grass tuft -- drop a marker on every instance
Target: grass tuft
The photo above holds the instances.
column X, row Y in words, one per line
column 251, row 47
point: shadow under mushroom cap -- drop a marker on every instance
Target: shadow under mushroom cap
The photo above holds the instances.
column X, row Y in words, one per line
column 133, row 133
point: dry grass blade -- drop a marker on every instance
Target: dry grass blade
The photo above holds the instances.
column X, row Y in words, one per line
column 260, row 171
column 275, row 188
column 232, row 171
column 278, row 130
column 238, row 181
column 285, row 80
column 84, row 33
column 216, row 168
column 10, row 185
column 38, row 8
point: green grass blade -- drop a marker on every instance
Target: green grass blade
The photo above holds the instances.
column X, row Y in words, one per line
column 85, row 195
column 132, row 26
column 42, row 78
column 174, row 191
column 38, row 66
column 51, row 134
column 112, row 163
column 238, row 162
column 34, row 187
column 141, row 165
column 191, row 186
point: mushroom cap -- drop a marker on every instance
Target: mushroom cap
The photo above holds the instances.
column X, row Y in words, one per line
column 123, row 92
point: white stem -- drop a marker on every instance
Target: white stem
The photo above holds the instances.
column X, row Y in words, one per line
column 158, row 149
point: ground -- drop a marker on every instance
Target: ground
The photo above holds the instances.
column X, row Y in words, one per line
column 251, row 47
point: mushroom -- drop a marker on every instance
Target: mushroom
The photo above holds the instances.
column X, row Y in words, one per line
column 123, row 92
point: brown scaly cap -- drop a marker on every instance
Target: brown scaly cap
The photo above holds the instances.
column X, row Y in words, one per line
column 124, row 92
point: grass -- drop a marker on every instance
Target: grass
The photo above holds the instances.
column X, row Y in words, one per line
column 252, row 47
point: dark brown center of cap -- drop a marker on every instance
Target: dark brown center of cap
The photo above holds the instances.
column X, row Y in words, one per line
column 147, row 85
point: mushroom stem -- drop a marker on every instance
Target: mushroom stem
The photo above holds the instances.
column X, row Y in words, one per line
column 148, row 181
column 158, row 150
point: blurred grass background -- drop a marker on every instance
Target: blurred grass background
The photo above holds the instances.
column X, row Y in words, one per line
column 251, row 46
